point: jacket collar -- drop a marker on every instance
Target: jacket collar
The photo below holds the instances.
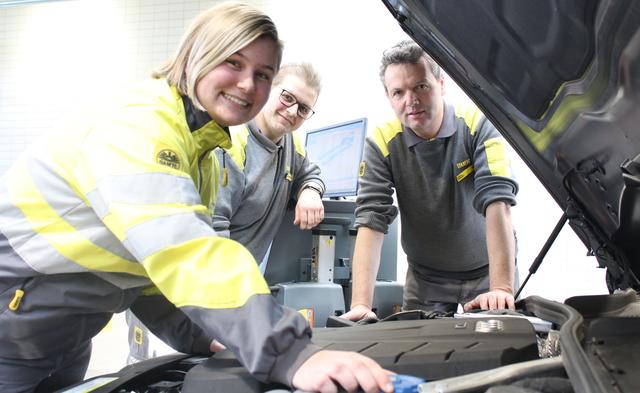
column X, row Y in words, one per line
column 207, row 133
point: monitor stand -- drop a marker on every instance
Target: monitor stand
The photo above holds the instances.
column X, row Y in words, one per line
column 290, row 270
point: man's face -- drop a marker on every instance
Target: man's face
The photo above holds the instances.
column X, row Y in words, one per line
column 415, row 96
column 276, row 119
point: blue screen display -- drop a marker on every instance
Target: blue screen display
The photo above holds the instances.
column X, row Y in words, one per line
column 337, row 150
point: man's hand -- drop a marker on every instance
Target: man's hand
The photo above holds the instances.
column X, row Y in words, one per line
column 309, row 209
column 359, row 312
column 492, row 300
column 325, row 369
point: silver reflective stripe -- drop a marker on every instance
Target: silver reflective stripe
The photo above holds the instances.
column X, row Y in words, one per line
column 87, row 224
column 98, row 204
column 73, row 210
column 123, row 280
column 148, row 189
column 12, row 264
column 34, row 250
column 154, row 235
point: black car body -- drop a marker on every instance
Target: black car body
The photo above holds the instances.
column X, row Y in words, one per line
column 560, row 79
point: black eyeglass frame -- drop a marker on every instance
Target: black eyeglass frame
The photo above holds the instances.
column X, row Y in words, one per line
column 295, row 101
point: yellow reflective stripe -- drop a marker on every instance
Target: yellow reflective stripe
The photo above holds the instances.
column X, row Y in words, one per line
column 238, row 143
column 467, row 171
column 123, row 217
column 142, row 189
column 298, row 144
column 497, row 159
column 383, row 134
column 60, row 235
column 213, row 272
column 471, row 115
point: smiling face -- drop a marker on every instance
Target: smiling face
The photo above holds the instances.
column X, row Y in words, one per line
column 276, row 119
column 234, row 91
column 416, row 97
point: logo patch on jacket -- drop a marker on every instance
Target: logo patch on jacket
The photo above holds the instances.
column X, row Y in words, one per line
column 169, row 158
column 361, row 169
column 467, row 169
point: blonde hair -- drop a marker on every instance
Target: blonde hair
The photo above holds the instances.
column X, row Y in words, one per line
column 212, row 37
column 304, row 71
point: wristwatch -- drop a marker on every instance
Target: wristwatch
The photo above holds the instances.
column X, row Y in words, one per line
column 314, row 187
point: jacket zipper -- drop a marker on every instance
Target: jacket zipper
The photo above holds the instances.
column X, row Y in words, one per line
column 14, row 304
column 200, row 159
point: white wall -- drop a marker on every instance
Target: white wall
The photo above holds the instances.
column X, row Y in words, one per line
column 57, row 56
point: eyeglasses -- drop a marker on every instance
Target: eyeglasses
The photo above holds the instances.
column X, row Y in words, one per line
column 287, row 99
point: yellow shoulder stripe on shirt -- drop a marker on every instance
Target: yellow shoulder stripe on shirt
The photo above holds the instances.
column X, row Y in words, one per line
column 471, row 115
column 497, row 158
column 237, row 151
column 383, row 134
column 298, row 144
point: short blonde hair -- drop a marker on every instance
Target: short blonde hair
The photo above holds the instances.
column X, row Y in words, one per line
column 304, row 71
column 212, row 37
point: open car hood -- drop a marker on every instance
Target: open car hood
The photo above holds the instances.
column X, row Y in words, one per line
column 561, row 81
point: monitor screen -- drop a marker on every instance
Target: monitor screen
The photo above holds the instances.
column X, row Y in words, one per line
column 337, row 150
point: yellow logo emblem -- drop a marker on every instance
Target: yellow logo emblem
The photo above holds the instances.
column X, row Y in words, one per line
column 361, row 169
column 169, row 158
column 138, row 335
column 308, row 314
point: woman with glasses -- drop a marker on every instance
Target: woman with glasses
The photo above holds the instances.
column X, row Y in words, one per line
column 266, row 166
column 116, row 215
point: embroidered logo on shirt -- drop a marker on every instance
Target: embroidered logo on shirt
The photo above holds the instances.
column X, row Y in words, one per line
column 138, row 335
column 289, row 176
column 361, row 169
column 463, row 164
column 467, row 169
column 169, row 158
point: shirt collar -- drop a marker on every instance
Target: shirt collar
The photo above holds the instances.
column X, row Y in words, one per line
column 260, row 137
column 447, row 128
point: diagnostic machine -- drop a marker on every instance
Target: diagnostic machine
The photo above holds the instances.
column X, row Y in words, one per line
column 310, row 271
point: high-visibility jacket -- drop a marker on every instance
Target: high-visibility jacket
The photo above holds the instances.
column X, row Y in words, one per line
column 95, row 214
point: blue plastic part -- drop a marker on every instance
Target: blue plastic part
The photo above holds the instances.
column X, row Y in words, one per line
column 406, row 383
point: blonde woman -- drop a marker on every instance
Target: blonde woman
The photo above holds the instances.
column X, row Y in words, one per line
column 115, row 215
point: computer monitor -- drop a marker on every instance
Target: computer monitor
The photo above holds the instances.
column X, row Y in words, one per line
column 337, row 150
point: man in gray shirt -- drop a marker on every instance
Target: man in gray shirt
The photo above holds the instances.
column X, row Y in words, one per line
column 452, row 178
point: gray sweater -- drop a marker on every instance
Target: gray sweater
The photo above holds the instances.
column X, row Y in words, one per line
column 443, row 187
column 262, row 177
